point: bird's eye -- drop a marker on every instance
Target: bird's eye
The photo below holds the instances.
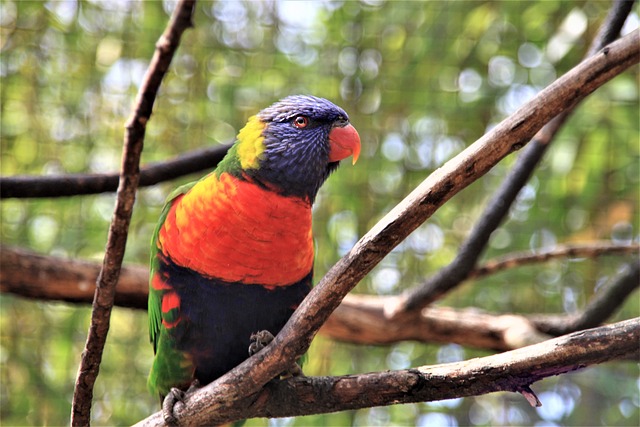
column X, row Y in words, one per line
column 301, row 122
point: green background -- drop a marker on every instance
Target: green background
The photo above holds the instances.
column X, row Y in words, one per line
column 420, row 81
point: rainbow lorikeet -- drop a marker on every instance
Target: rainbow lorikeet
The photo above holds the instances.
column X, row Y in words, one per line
column 232, row 253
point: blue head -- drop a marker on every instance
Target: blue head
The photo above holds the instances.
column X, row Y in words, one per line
column 304, row 140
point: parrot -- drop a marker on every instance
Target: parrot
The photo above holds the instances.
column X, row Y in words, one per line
column 232, row 253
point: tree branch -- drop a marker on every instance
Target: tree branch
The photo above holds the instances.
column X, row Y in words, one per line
column 583, row 250
column 220, row 397
column 497, row 209
column 359, row 319
column 602, row 305
column 118, row 230
column 31, row 275
column 208, row 158
column 612, row 25
column 81, row 184
column 512, row 371
column 436, row 190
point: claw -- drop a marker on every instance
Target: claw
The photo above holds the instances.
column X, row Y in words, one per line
column 170, row 401
column 294, row 371
column 176, row 397
column 260, row 340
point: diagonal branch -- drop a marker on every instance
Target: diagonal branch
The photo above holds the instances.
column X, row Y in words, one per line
column 512, row 371
column 602, row 305
column 223, row 395
column 117, row 239
column 497, row 209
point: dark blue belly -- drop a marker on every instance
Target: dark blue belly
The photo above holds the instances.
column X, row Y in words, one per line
column 217, row 318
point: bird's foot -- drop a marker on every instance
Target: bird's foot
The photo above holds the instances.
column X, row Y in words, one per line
column 295, row 370
column 174, row 398
column 260, row 340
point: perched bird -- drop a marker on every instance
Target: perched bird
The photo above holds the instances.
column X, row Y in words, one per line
column 232, row 253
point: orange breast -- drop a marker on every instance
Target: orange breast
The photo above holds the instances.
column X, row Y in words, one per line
column 236, row 231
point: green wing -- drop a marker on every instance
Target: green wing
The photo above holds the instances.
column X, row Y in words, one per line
column 155, row 296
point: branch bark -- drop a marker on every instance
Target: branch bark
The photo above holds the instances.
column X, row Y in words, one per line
column 23, row 187
column 362, row 319
column 498, row 207
column 31, row 275
column 512, row 371
column 359, row 319
column 118, row 230
column 224, row 395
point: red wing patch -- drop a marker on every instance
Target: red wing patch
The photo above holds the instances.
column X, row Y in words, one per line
column 158, row 284
column 170, row 300
column 170, row 310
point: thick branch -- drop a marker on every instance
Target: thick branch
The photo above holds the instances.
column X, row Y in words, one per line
column 293, row 340
column 79, row 184
column 362, row 319
column 118, row 230
column 497, row 209
column 512, row 371
column 359, row 319
column 28, row 274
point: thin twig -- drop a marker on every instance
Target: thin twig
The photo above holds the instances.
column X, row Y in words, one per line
column 612, row 25
column 603, row 304
column 584, row 250
column 497, row 209
column 22, row 187
column 222, row 396
column 129, row 176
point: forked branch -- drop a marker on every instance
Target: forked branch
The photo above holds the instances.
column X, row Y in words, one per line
column 499, row 206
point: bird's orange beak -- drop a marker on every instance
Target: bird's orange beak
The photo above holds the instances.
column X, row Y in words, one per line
column 344, row 142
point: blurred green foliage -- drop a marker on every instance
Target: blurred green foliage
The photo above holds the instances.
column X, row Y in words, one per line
column 420, row 80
